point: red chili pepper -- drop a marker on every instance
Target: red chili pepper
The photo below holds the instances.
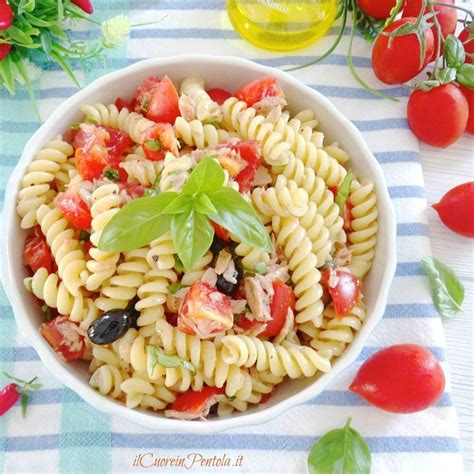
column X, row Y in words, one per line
column 85, row 5
column 13, row 391
column 8, row 397
column 4, row 50
column 6, row 16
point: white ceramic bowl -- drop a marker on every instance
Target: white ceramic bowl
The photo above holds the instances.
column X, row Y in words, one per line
column 228, row 73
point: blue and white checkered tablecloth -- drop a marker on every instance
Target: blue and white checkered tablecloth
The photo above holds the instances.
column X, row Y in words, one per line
column 63, row 434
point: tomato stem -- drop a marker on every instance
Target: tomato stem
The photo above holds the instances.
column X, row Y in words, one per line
column 440, row 36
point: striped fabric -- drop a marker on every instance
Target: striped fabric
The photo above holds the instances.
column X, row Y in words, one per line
column 63, row 434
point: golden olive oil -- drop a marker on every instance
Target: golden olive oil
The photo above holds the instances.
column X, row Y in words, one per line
column 282, row 25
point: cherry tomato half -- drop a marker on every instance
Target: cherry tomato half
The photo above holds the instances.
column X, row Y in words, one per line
column 346, row 292
column 74, row 209
column 64, row 337
column 196, row 402
column 157, row 140
column 256, row 90
column 91, row 151
column 219, row 95
column 36, row 252
column 405, row 378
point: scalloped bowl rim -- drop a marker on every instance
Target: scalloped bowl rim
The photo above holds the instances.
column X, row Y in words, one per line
column 14, row 285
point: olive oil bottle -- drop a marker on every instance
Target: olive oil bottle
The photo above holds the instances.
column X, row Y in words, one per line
column 282, row 25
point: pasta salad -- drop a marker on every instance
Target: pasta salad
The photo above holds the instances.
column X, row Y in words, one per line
column 197, row 248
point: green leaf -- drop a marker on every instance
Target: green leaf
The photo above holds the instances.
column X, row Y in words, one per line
column 6, row 73
column 192, row 235
column 465, row 75
column 203, row 205
column 446, row 75
column 46, row 312
column 447, row 291
column 112, row 174
column 137, row 224
column 157, row 356
column 236, row 215
column 208, row 176
column 26, row 6
column 64, row 65
column 25, row 398
column 341, row 451
column 153, row 145
column 178, row 264
column 84, row 235
column 454, row 52
column 183, row 203
column 20, row 67
column 174, row 287
column 343, row 192
column 18, row 35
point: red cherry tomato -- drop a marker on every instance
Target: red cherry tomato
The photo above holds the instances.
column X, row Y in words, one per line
column 447, row 18
column 206, row 311
column 221, row 232
column 117, row 145
column 197, row 403
column 135, row 191
column 402, row 379
column 158, row 100
column 377, row 8
column 219, row 95
column 64, row 336
column 464, row 37
column 346, row 292
column 6, row 15
column 439, row 116
column 256, row 90
column 246, row 324
column 283, row 299
column 266, row 396
column 456, row 209
column 347, row 215
column 74, row 209
column 122, row 104
column 469, row 95
column 157, row 140
column 4, row 50
column 400, row 61
column 36, row 252
column 91, row 151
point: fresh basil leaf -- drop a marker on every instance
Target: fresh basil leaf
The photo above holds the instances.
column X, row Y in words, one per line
column 454, row 52
column 112, row 174
column 206, row 177
column 465, row 75
column 174, row 287
column 178, row 264
column 192, row 235
column 203, row 205
column 343, row 193
column 153, row 145
column 157, row 356
column 183, row 203
column 341, row 451
column 137, row 224
column 46, row 310
column 447, row 291
column 236, row 215
column 446, row 75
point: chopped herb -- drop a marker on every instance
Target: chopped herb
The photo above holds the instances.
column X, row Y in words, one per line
column 75, row 126
column 145, row 103
column 343, row 193
column 90, row 120
column 84, row 235
column 178, row 264
column 215, row 124
column 260, row 268
column 231, row 399
column 155, row 189
column 112, row 174
column 175, row 287
column 153, row 145
column 157, row 356
column 47, row 312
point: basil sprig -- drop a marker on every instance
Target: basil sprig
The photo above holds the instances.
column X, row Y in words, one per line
column 447, row 291
column 343, row 193
column 343, row 451
column 157, row 356
column 187, row 215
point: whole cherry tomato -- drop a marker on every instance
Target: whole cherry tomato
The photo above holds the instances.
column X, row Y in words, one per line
column 456, row 209
column 469, row 95
column 464, row 36
column 446, row 16
column 377, row 8
column 36, row 253
column 439, row 116
column 405, row 378
column 398, row 61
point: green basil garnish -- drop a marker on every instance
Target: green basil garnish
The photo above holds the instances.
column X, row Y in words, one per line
column 343, row 193
column 157, row 356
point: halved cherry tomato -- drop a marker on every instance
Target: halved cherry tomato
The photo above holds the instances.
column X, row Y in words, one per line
column 135, row 191
column 64, row 336
column 446, row 16
column 158, row 100
column 346, row 292
column 246, row 324
column 172, row 318
column 157, row 140
column 122, row 104
column 405, row 378
column 347, row 216
column 469, row 95
column 257, row 90
column 74, row 209
column 283, row 299
column 91, row 151
column 117, row 145
column 206, row 311
column 468, row 43
column 438, row 116
column 36, row 253
column 197, row 403
column 390, row 61
column 266, row 396
column 219, row 95
column 221, row 232
column 456, row 209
